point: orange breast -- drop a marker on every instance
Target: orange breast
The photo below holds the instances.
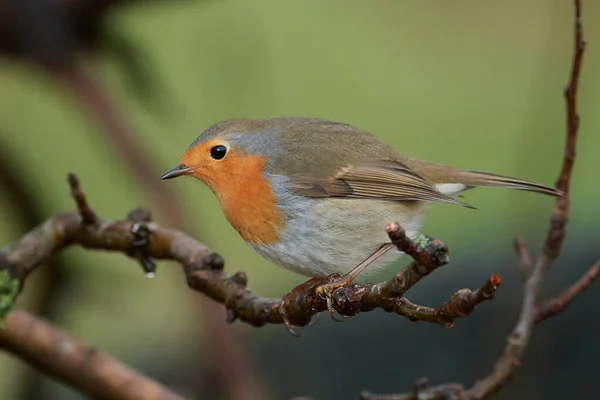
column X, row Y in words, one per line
column 245, row 195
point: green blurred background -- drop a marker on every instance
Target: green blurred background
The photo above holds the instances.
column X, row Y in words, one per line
column 474, row 84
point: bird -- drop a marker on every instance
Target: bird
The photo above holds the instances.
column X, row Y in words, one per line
column 314, row 195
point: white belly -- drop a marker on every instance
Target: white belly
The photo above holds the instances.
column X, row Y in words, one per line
column 325, row 236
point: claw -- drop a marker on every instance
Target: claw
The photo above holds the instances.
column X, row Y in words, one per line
column 327, row 292
column 335, row 282
column 290, row 327
column 322, row 287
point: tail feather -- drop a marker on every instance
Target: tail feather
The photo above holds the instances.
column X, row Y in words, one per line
column 488, row 179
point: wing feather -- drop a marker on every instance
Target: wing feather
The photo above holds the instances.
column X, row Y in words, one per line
column 392, row 181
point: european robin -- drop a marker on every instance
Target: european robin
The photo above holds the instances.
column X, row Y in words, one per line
column 314, row 196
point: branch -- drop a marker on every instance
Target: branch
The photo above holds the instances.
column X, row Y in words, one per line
column 146, row 241
column 94, row 373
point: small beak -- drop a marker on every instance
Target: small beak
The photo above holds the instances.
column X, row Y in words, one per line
column 177, row 171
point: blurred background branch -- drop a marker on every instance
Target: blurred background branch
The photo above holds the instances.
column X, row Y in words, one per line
column 92, row 372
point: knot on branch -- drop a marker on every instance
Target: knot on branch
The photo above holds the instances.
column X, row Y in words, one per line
column 213, row 261
column 425, row 250
column 142, row 236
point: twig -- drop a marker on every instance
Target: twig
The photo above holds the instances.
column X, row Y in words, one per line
column 204, row 269
column 432, row 257
column 524, row 256
column 429, row 254
column 88, row 216
column 560, row 216
column 98, row 103
column 460, row 304
column 559, row 303
column 67, row 359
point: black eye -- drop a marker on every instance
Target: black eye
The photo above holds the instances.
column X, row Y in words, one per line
column 218, row 152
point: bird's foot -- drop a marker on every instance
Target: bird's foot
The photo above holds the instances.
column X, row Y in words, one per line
column 336, row 281
column 326, row 290
column 288, row 298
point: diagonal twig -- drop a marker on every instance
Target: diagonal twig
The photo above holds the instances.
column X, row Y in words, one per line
column 560, row 302
column 88, row 216
column 525, row 257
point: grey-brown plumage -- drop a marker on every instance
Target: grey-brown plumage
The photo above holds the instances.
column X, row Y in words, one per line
column 336, row 187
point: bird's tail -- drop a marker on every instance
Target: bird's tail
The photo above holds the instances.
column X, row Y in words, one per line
column 487, row 179
column 442, row 174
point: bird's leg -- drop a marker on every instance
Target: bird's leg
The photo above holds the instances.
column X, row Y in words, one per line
column 345, row 280
column 298, row 290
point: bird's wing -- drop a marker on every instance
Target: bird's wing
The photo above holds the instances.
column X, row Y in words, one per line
column 389, row 181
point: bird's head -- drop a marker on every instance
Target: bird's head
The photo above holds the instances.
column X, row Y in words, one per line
column 229, row 149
